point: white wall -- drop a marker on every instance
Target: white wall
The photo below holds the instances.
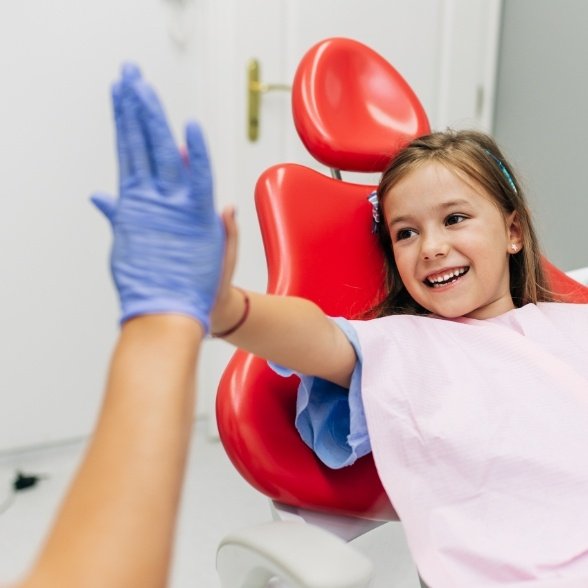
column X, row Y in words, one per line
column 57, row 306
column 541, row 117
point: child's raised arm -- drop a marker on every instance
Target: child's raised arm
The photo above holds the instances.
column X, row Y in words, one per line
column 292, row 332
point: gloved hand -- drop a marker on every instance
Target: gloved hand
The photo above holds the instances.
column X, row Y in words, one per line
column 168, row 243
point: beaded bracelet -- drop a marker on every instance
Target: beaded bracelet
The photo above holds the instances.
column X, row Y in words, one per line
column 243, row 318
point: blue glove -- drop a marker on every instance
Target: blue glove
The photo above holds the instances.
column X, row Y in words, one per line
column 168, row 243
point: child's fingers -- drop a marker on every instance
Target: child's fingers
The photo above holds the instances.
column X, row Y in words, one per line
column 231, row 246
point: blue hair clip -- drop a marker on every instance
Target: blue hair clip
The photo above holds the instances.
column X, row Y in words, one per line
column 373, row 200
column 503, row 169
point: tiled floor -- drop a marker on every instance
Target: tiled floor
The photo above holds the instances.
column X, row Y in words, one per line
column 216, row 500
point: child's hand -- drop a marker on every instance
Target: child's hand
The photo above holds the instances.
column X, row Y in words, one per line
column 221, row 313
column 168, row 240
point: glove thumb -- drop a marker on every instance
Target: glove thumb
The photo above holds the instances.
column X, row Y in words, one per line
column 105, row 204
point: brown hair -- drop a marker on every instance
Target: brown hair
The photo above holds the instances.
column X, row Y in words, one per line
column 476, row 156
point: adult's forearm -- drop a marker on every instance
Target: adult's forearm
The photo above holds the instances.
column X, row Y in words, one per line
column 116, row 524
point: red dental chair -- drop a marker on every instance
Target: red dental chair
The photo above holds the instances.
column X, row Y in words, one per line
column 353, row 111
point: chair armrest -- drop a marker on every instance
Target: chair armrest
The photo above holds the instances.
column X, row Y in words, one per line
column 301, row 554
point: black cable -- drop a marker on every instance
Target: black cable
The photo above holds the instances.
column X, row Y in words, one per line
column 21, row 482
column 24, row 481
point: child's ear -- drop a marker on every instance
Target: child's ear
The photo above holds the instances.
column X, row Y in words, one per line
column 515, row 232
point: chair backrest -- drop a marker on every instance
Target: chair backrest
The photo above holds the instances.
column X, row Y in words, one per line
column 305, row 220
column 318, row 244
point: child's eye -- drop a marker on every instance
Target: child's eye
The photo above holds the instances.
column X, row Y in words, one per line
column 454, row 219
column 404, row 234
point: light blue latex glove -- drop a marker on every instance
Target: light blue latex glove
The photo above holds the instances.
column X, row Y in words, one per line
column 168, row 243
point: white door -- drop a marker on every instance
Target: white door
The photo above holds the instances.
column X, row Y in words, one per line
column 237, row 31
column 446, row 49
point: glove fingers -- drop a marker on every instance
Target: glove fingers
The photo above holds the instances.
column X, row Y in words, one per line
column 133, row 135
column 199, row 166
column 105, row 204
column 122, row 148
column 130, row 72
column 165, row 157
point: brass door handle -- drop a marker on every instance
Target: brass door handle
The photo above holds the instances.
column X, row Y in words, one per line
column 255, row 89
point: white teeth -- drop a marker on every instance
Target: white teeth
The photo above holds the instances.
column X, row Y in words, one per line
column 449, row 275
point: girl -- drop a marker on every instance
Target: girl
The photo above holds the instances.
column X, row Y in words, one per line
column 469, row 385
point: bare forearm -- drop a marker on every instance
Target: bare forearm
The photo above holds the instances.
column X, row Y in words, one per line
column 125, row 496
column 290, row 331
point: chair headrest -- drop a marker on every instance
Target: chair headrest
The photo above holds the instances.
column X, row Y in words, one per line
column 352, row 109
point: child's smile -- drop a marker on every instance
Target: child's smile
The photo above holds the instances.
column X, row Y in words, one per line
column 445, row 277
column 451, row 243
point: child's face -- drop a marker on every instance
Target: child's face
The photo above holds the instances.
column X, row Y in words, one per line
column 448, row 232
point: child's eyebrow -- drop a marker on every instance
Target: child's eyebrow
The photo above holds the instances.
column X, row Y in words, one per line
column 440, row 207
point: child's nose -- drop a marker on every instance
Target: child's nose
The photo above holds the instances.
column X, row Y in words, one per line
column 433, row 246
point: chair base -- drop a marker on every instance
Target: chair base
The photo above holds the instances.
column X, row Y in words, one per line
column 292, row 554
